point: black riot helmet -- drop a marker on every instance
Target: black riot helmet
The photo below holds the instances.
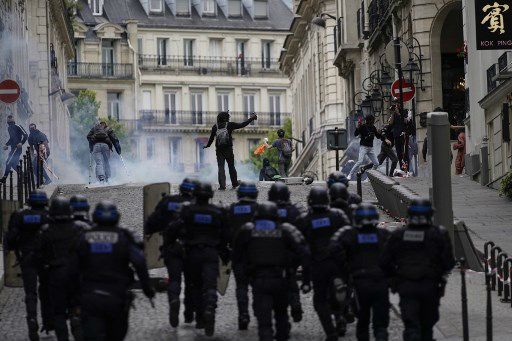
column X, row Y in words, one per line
column 247, row 190
column 203, row 191
column 60, row 209
column 267, row 210
column 279, row 193
column 366, row 215
column 338, row 193
column 420, row 212
column 280, row 133
column 187, row 187
column 106, row 213
column 335, row 177
column 79, row 203
column 37, row 199
column 318, row 198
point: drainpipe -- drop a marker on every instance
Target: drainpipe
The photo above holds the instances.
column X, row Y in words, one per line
column 136, row 70
column 50, row 107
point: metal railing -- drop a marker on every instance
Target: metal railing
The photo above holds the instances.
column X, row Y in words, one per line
column 377, row 12
column 100, row 70
column 211, row 65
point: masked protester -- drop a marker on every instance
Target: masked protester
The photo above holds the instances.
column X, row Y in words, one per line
column 279, row 193
column 358, row 250
column 386, row 149
column 23, row 238
column 106, row 255
column 101, row 140
column 334, row 177
column 339, row 196
column 17, row 137
column 285, row 150
column 264, row 247
column 221, row 133
column 167, row 211
column 81, row 208
column 267, row 172
column 240, row 213
column 318, row 226
column 417, row 258
column 40, row 146
column 368, row 132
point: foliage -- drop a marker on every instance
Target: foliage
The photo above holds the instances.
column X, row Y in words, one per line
column 257, row 160
column 506, row 185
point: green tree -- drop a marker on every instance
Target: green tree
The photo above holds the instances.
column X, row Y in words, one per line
column 257, row 160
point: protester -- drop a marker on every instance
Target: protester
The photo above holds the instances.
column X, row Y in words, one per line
column 17, row 137
column 101, row 140
column 222, row 134
column 267, row 172
column 386, row 149
column 38, row 142
column 397, row 123
column 285, row 150
column 368, row 132
column 460, row 147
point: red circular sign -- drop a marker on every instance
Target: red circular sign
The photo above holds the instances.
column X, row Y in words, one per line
column 9, row 91
column 408, row 90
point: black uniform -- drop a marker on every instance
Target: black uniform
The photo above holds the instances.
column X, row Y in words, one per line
column 386, row 151
column 358, row 251
column 105, row 254
column 16, row 135
column 23, row 237
column 265, row 247
column 418, row 258
column 318, row 226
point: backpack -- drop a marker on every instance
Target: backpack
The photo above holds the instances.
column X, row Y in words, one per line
column 222, row 136
column 287, row 148
column 100, row 135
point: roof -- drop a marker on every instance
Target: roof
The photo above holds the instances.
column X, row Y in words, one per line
column 117, row 11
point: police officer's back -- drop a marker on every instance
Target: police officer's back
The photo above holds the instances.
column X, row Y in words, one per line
column 105, row 255
column 81, row 207
column 339, row 197
column 358, row 250
column 23, row 238
column 339, row 177
column 418, row 257
column 265, row 247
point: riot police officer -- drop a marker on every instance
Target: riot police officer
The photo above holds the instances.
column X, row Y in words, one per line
column 358, row 250
column 203, row 228
column 172, row 252
column 81, row 208
column 105, row 253
column 23, row 238
column 59, row 240
column 240, row 213
column 279, row 193
column 337, row 176
column 417, row 258
column 318, row 226
column 339, row 197
column 264, row 247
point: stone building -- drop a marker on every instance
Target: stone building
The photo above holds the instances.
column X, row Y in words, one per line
column 166, row 68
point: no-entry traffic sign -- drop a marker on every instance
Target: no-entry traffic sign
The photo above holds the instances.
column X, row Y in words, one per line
column 408, row 90
column 9, row 91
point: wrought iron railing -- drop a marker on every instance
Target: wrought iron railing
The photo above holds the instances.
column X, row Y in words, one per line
column 100, row 70
column 377, row 11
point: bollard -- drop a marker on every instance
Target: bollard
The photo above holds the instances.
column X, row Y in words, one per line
column 493, row 266
column 20, row 185
column 464, row 299
column 38, row 182
column 359, row 185
column 507, row 265
column 487, row 258
column 32, row 183
column 488, row 314
column 25, row 177
column 499, row 271
column 11, row 186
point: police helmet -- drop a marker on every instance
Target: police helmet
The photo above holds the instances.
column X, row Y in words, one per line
column 338, row 192
column 247, row 190
column 279, row 193
column 60, row 208
column 318, row 198
column 267, row 210
column 79, row 203
column 106, row 213
column 366, row 215
column 187, row 186
column 335, row 177
column 420, row 212
column 37, row 198
column 280, row 133
column 203, row 190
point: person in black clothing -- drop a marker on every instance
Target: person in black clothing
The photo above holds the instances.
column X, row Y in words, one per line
column 35, row 139
column 267, row 173
column 386, row 149
column 101, row 140
column 339, row 177
column 221, row 133
column 368, row 132
column 17, row 137
column 339, row 196
column 397, row 123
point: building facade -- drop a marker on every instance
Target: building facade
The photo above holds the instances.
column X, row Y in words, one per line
column 166, row 69
column 318, row 93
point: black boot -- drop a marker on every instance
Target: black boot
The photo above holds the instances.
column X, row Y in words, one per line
column 243, row 322
column 33, row 328
column 209, row 322
column 188, row 315
column 296, row 312
column 199, row 321
column 174, row 313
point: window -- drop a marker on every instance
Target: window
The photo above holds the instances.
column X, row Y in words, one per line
column 234, row 8
column 216, row 48
column 249, row 105
column 150, row 148
column 188, row 52
column 155, row 6
column 113, row 103
column 140, row 51
column 223, row 102
column 491, row 72
column 200, row 154
column 209, row 6
column 170, row 104
column 182, row 7
column 241, row 67
column 196, row 105
column 260, row 9
column 252, row 143
column 311, row 126
column 265, row 54
column 107, row 57
column 96, row 7
column 174, row 152
column 162, row 51
column 146, row 103
column 275, row 109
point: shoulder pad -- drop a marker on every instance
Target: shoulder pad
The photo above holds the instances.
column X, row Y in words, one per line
column 45, row 227
column 293, row 231
column 247, row 227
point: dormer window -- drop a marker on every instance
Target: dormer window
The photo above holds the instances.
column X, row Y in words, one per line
column 155, row 6
column 96, row 7
column 182, row 7
column 234, row 8
column 261, row 9
column 209, row 7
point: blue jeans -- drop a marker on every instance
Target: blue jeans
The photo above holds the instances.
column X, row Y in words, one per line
column 13, row 158
column 101, row 155
column 364, row 151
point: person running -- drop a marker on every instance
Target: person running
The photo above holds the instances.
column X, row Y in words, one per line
column 285, row 149
column 39, row 145
column 221, row 133
column 101, row 140
column 368, row 132
column 17, row 137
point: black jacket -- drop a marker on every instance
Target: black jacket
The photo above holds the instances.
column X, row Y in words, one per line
column 367, row 133
column 112, row 139
column 16, row 135
column 231, row 126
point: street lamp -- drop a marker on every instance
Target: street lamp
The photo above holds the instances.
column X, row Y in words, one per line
column 320, row 21
column 376, row 101
column 366, row 106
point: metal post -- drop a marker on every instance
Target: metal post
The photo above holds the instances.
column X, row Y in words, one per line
column 32, row 183
column 493, row 265
column 38, row 182
column 489, row 313
column 499, row 272
column 439, row 143
column 359, row 185
column 337, row 160
column 464, row 299
column 25, row 177
column 487, row 259
column 506, row 278
column 20, row 184
column 11, row 186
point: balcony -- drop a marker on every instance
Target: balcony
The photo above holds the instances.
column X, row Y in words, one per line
column 379, row 12
column 100, row 70
column 245, row 67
